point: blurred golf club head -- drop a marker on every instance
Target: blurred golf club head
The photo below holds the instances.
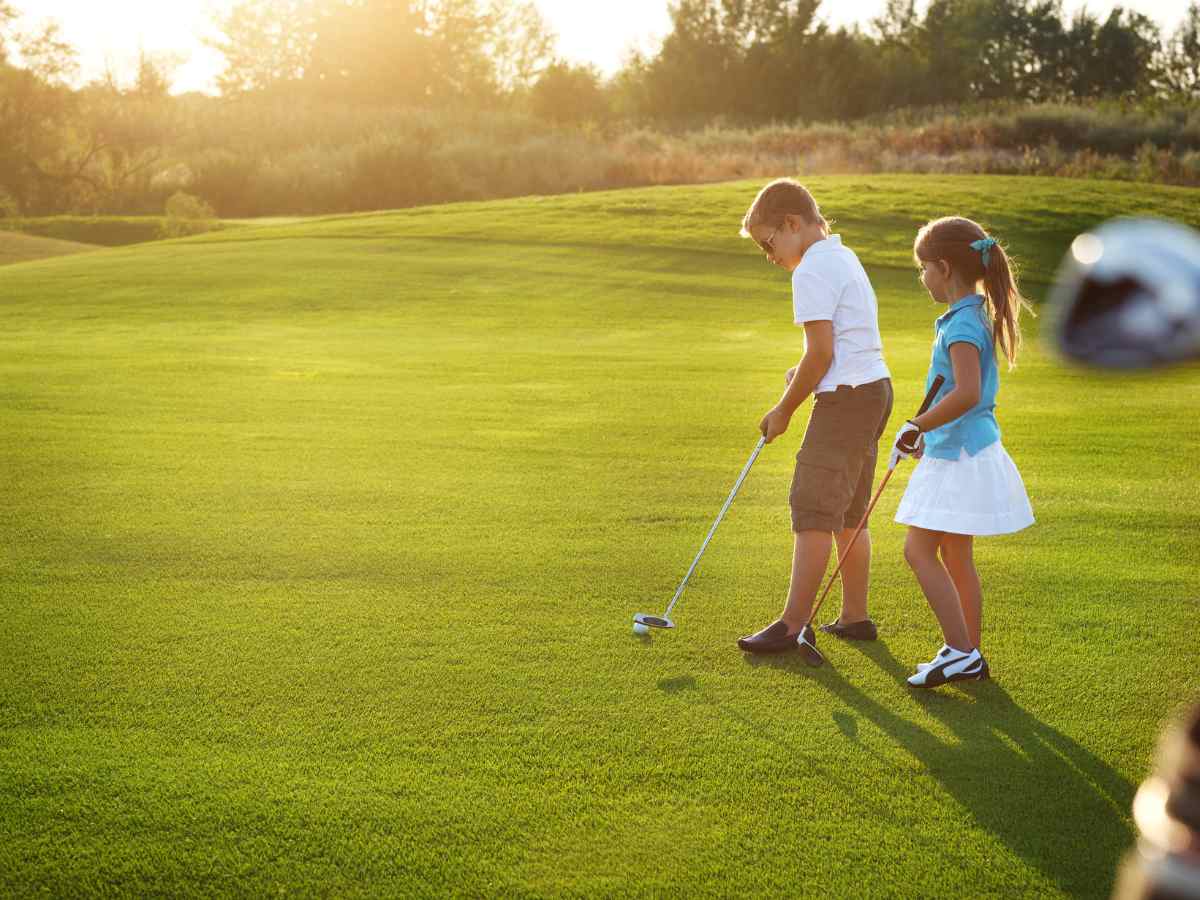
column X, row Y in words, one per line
column 1127, row 295
column 1165, row 864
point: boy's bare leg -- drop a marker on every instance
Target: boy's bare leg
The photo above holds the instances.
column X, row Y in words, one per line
column 958, row 557
column 809, row 560
column 855, row 574
column 921, row 553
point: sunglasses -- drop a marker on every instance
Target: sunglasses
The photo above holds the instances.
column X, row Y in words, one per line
column 768, row 246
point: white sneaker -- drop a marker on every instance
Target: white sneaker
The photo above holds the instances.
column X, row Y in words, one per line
column 950, row 665
column 921, row 667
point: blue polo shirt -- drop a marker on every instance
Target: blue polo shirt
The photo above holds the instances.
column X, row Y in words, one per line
column 977, row 428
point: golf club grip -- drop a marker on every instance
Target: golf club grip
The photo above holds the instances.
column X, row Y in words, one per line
column 933, row 389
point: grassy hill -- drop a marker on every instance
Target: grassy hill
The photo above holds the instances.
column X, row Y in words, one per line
column 16, row 247
column 322, row 542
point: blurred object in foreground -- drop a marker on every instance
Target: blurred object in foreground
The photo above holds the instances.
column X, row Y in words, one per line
column 1127, row 295
column 1166, row 863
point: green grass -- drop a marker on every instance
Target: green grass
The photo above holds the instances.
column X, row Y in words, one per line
column 16, row 247
column 321, row 543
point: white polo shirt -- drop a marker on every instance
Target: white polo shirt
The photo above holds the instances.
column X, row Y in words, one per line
column 830, row 284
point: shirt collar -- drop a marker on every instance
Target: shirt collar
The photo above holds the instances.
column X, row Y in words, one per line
column 829, row 243
column 969, row 300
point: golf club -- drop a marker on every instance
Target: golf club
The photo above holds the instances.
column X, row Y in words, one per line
column 811, row 654
column 664, row 621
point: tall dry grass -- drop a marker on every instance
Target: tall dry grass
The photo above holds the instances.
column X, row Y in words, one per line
column 260, row 157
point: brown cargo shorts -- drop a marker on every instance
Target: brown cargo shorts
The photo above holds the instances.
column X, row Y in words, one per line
column 835, row 468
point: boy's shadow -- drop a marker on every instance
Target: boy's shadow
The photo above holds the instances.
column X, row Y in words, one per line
column 1051, row 801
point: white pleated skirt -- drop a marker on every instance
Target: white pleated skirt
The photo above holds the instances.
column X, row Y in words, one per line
column 979, row 495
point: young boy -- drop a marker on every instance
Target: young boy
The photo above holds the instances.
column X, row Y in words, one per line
column 843, row 368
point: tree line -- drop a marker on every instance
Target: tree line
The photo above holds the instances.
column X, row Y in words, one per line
column 432, row 97
column 767, row 60
column 743, row 60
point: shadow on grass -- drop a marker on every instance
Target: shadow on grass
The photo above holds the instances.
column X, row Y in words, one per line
column 1050, row 800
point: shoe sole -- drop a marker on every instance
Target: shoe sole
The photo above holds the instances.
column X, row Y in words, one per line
column 982, row 675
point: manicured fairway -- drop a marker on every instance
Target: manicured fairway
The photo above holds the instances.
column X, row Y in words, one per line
column 321, row 544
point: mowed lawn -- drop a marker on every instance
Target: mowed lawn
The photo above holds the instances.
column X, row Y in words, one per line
column 321, row 543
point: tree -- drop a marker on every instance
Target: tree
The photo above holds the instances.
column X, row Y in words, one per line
column 898, row 22
column 38, row 165
column 521, row 46
column 154, row 72
column 569, row 94
column 376, row 51
column 900, row 64
column 729, row 57
column 1126, row 49
column 628, row 89
column 121, row 137
column 695, row 72
column 482, row 50
column 1111, row 59
column 778, row 40
column 400, row 52
column 266, row 43
column 1181, row 62
column 1041, row 47
column 8, row 16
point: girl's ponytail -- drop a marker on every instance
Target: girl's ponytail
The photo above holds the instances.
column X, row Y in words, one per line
column 1004, row 301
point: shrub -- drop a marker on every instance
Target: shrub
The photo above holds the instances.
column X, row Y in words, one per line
column 227, row 180
column 106, row 231
column 187, row 214
column 258, row 156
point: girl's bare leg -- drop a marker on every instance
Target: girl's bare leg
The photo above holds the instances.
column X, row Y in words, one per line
column 958, row 557
column 921, row 553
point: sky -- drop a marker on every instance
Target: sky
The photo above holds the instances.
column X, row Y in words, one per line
column 109, row 34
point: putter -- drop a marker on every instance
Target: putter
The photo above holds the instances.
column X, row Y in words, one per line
column 811, row 654
column 664, row 621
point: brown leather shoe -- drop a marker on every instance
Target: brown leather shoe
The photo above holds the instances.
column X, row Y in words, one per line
column 855, row 631
column 774, row 639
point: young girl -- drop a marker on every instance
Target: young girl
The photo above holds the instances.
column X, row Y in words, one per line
column 965, row 483
column 844, row 372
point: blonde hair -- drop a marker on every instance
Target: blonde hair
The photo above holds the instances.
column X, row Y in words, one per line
column 782, row 197
column 951, row 239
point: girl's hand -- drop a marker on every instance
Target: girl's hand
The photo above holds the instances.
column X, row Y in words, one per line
column 791, row 373
column 909, row 442
column 774, row 423
column 908, row 439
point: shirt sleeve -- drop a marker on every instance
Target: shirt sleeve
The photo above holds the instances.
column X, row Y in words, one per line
column 968, row 329
column 813, row 299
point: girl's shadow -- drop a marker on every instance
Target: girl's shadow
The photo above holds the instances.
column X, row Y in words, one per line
column 1050, row 800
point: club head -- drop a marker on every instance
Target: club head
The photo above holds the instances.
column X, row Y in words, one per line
column 811, row 654
column 1127, row 296
column 653, row 621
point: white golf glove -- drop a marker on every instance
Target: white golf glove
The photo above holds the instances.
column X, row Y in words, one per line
column 909, row 440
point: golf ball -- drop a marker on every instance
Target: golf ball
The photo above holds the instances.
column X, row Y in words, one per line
column 639, row 628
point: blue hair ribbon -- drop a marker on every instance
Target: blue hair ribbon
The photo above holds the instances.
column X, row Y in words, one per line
column 984, row 245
